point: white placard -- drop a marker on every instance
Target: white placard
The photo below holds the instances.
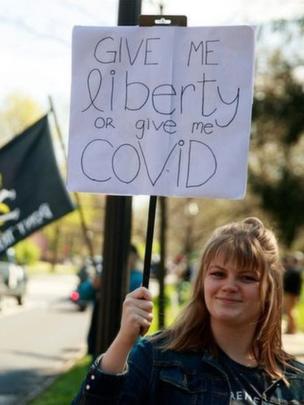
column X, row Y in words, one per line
column 161, row 110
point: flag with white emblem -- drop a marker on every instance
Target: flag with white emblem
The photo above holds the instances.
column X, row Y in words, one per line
column 32, row 193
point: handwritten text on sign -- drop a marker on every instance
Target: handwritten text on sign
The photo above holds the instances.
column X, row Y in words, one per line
column 161, row 110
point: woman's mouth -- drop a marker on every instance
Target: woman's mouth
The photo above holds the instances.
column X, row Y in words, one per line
column 229, row 300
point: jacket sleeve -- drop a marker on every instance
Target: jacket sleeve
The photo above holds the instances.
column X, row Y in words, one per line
column 129, row 387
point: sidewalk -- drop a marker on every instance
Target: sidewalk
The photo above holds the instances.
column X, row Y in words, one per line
column 294, row 344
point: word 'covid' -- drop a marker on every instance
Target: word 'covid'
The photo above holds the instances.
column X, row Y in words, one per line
column 102, row 162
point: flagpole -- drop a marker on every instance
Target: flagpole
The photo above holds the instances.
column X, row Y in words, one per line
column 76, row 195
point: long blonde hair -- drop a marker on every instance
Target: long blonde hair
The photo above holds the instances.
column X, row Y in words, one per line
column 250, row 246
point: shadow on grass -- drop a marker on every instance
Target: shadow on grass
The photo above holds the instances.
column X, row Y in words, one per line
column 65, row 387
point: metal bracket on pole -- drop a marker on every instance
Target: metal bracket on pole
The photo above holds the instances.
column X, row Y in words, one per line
column 162, row 20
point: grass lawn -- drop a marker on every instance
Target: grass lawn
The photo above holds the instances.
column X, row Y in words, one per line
column 65, row 386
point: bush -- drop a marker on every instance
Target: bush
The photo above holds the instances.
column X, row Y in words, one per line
column 27, row 252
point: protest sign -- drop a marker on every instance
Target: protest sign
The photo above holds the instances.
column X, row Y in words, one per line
column 32, row 193
column 161, row 110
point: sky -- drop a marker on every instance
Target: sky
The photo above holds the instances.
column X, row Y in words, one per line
column 35, row 35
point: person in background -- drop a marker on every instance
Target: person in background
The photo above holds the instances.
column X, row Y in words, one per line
column 92, row 333
column 183, row 271
column 292, row 281
column 225, row 347
column 136, row 276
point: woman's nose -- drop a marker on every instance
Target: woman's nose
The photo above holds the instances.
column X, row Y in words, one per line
column 230, row 284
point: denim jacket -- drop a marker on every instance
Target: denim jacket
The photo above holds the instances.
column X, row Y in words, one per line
column 157, row 377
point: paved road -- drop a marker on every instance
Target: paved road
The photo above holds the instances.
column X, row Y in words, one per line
column 39, row 339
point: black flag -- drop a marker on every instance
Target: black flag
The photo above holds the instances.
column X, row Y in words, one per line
column 32, row 193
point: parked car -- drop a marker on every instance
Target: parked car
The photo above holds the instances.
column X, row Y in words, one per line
column 13, row 277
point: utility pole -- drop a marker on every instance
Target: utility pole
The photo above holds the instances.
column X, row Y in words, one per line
column 117, row 235
column 128, row 12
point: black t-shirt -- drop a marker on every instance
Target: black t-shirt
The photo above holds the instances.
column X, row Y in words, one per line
column 247, row 383
column 292, row 279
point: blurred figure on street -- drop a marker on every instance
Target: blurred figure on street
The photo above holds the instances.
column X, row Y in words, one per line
column 183, row 272
column 292, row 283
column 92, row 333
column 134, row 268
column 135, row 282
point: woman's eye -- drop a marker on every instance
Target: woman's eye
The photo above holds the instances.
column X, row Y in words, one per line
column 217, row 274
column 249, row 278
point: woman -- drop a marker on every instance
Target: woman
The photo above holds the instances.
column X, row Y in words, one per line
column 225, row 348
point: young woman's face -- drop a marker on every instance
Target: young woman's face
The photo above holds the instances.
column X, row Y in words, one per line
column 231, row 295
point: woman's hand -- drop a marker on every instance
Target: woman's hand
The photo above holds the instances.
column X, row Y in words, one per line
column 136, row 315
column 136, row 320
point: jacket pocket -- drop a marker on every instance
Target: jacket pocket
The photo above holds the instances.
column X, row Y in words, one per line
column 291, row 395
column 187, row 381
column 182, row 387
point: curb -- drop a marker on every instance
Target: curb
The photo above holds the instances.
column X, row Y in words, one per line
column 66, row 366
